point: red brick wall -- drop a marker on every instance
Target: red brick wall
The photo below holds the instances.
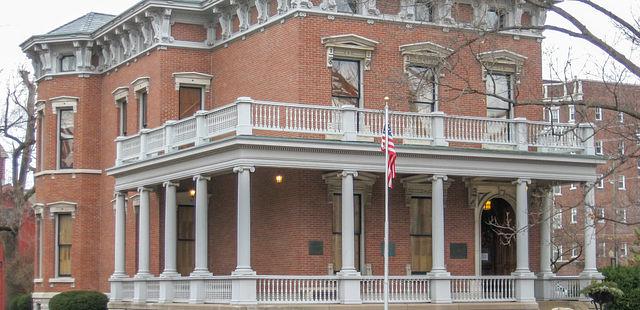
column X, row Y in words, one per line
column 188, row 32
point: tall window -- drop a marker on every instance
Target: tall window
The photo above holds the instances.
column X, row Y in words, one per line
column 499, row 85
column 599, row 114
column 600, row 183
column 424, row 10
column 38, row 265
column 142, row 110
column 572, row 113
column 622, row 182
column 423, row 88
column 345, row 82
column 347, row 6
column 190, row 101
column 186, row 240
column 574, row 216
column 554, row 114
column 68, row 63
column 602, row 250
column 64, row 235
column 420, row 231
column 599, row 148
column 65, row 138
column 40, row 139
column 601, row 215
column 337, row 231
column 122, row 117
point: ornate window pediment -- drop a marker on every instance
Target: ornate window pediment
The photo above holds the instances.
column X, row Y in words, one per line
column 62, row 207
column 64, row 102
column 193, row 78
column 425, row 54
column 120, row 93
column 349, row 46
column 502, row 61
column 141, row 84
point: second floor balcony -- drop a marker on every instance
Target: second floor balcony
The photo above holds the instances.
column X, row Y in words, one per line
column 247, row 117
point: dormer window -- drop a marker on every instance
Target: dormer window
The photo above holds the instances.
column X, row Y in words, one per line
column 424, row 10
column 67, row 63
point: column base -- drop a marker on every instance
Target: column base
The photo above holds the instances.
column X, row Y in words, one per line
column 348, row 273
column 118, row 276
column 243, row 272
column 170, row 274
column 140, row 291
column 543, row 285
column 525, row 285
column 201, row 274
column 440, row 288
column 243, row 289
column 167, row 291
column 586, row 278
column 143, row 275
column 196, row 290
column 349, row 289
column 116, row 290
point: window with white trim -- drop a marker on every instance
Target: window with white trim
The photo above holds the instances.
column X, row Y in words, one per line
column 423, row 88
column 142, row 109
column 599, row 114
column 66, row 135
column 40, row 139
column 572, row 113
column 622, row 184
column 621, row 147
column 602, row 249
column 624, row 250
column 600, row 183
column 573, row 187
column 500, row 85
column 557, row 219
column 574, row 215
column 191, row 87
column 64, row 234
column 599, row 148
column 557, row 190
column 39, row 237
column 67, row 63
column 557, row 252
column 575, row 250
column 601, row 215
column 122, row 117
column 345, row 82
column 554, row 114
column 422, row 64
column 620, row 117
column 622, row 215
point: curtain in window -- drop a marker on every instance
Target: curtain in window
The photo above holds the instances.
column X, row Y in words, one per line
column 422, row 85
column 65, row 233
column 420, row 231
column 66, row 135
column 345, row 82
column 190, row 101
column 337, row 231
column 186, row 240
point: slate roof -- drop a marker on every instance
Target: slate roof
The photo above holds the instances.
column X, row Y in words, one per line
column 83, row 25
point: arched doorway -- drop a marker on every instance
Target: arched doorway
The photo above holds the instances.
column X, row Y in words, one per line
column 498, row 251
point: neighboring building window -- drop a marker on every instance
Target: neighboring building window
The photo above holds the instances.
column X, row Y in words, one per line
column 601, row 215
column 574, row 250
column 63, row 240
column 572, row 114
column 423, row 88
column 557, row 219
column 557, row 190
column 122, row 117
column 599, row 148
column 496, row 18
column 573, row 187
column 424, row 10
column 622, row 215
column 420, row 232
column 337, row 231
column 347, row 6
column 638, row 164
column 557, row 253
column 191, row 99
column 602, row 249
column 142, row 110
column 68, row 63
column 554, row 115
column 65, row 138
column 499, row 85
column 345, row 82
column 574, row 216
column 621, row 147
column 620, row 117
column 600, row 183
column 624, row 250
column 599, row 114
column 622, row 184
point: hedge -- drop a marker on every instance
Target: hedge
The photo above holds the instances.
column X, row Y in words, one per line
column 79, row 300
column 628, row 280
column 21, row 302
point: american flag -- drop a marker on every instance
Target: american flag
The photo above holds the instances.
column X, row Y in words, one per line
column 391, row 165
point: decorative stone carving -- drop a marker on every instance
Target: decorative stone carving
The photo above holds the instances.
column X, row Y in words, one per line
column 87, row 55
column 146, row 30
column 242, row 10
column 283, row 6
column 502, row 61
column 305, row 4
column 262, row 6
column 45, row 57
column 426, row 54
column 371, row 8
column 329, row 5
column 133, row 38
column 104, row 54
column 161, row 25
column 541, row 17
column 77, row 45
column 211, row 33
column 446, row 11
column 408, row 9
column 349, row 46
column 193, row 78
column 62, row 207
column 35, row 62
column 480, row 9
column 224, row 19
column 518, row 9
column 123, row 38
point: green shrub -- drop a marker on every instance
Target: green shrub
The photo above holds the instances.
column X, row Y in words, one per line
column 628, row 280
column 79, row 300
column 21, row 302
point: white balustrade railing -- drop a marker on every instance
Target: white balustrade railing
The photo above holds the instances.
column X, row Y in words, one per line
column 483, row 288
column 247, row 115
column 296, row 118
column 127, row 290
column 563, row 288
column 479, row 130
column 405, row 289
column 153, row 290
column 543, row 134
column 181, row 290
column 297, row 289
column 218, row 290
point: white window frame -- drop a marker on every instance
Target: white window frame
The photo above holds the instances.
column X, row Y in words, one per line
column 601, row 215
column 620, row 117
column 120, row 96
column 40, row 134
column 574, row 215
column 600, row 183
column 557, row 219
column 557, row 253
column 557, row 190
column 602, row 249
column 625, row 250
column 621, row 147
column 599, row 114
column 571, row 113
column 194, row 80
column 573, row 187
column 622, row 215
column 58, row 123
column 141, row 86
column 622, row 183
column 599, row 146
column 55, row 208
column 38, row 209
column 554, row 114
column 574, row 251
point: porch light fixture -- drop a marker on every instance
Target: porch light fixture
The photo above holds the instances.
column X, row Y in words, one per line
column 487, row 206
column 192, row 193
column 279, row 179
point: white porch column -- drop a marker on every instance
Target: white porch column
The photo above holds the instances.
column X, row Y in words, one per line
column 590, row 269
column 525, row 281
column 441, row 283
column 243, row 287
column 170, row 242
column 140, row 286
column 201, row 270
column 119, row 271
column 350, row 282
column 544, row 284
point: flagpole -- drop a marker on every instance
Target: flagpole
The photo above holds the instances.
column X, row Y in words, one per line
column 386, row 204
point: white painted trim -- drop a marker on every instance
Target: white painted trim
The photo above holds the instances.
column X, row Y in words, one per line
column 120, row 93
column 192, row 78
column 62, row 279
column 64, row 102
column 141, row 84
column 67, row 171
column 62, row 207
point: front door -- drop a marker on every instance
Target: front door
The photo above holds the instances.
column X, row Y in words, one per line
column 498, row 254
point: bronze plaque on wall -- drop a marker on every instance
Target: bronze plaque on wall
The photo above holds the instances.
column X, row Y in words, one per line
column 458, row 250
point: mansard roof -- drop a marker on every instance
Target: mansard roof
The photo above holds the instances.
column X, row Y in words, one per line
column 83, row 25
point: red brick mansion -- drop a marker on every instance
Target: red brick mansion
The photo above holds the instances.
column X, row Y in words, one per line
column 228, row 153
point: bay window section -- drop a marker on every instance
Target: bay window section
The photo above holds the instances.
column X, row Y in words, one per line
column 345, row 82
column 67, row 63
column 498, row 87
column 190, row 101
column 63, row 244
column 423, row 88
column 66, row 132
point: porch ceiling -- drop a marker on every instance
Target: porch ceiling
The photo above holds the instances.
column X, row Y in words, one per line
column 220, row 158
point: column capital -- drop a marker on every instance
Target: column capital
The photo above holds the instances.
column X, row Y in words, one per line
column 443, row 177
column 346, row 173
column 144, row 189
column 519, row 181
column 240, row 169
column 118, row 194
column 170, row 183
column 201, row 177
